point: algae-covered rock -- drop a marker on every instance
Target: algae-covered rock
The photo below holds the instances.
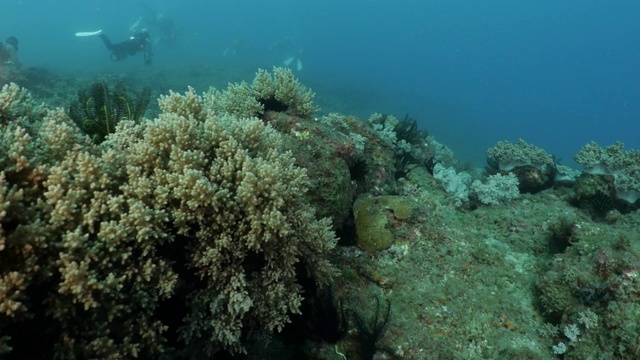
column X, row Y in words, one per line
column 378, row 218
column 339, row 169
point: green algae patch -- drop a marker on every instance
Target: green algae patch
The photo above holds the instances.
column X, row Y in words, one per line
column 377, row 220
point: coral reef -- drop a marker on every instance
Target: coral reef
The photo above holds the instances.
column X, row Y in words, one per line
column 193, row 235
column 181, row 234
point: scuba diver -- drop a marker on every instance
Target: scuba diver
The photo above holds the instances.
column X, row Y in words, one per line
column 9, row 54
column 139, row 42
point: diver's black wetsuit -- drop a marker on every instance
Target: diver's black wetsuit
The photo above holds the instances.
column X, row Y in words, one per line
column 140, row 42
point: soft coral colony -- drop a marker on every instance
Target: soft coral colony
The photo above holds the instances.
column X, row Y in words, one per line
column 186, row 229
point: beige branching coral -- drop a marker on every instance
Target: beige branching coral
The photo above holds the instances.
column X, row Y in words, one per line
column 189, row 104
column 192, row 210
column 25, row 251
column 16, row 104
column 280, row 92
column 237, row 201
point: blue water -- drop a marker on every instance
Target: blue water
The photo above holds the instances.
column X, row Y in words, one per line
column 556, row 73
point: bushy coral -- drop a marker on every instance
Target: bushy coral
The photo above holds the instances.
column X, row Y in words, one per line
column 27, row 246
column 613, row 160
column 534, row 168
column 493, row 191
column 509, row 155
column 237, row 100
column 453, row 182
column 599, row 160
column 16, row 104
column 385, row 125
column 279, row 91
column 182, row 234
column 496, row 188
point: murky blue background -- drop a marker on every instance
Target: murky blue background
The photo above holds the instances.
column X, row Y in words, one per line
column 556, row 73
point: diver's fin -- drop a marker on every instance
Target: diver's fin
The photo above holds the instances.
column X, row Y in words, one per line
column 288, row 61
column 88, row 33
column 299, row 67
